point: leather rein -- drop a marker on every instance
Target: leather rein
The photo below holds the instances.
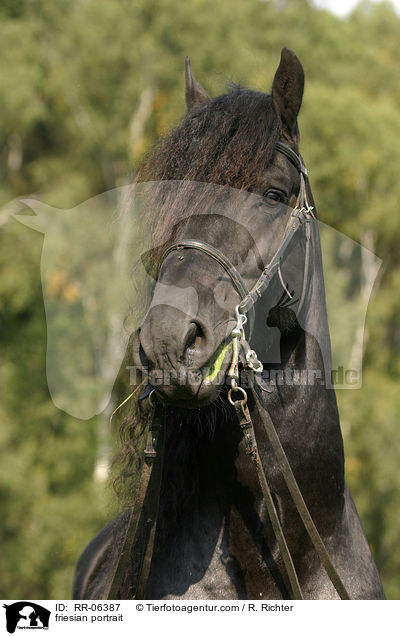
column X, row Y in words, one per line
column 141, row 526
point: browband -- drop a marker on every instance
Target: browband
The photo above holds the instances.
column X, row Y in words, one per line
column 293, row 157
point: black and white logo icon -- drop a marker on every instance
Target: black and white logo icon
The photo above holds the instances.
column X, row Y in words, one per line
column 26, row 615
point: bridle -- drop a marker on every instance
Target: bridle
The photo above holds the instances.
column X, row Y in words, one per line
column 302, row 214
column 145, row 508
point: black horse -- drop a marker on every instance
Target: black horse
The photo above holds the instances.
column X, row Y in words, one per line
column 214, row 538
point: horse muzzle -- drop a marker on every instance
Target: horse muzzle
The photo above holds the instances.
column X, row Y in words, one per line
column 180, row 357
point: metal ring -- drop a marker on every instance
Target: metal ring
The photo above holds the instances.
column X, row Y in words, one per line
column 151, row 400
column 236, row 389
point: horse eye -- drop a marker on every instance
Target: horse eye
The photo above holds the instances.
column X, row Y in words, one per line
column 272, row 196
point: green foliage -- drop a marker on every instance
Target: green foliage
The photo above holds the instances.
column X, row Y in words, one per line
column 85, row 89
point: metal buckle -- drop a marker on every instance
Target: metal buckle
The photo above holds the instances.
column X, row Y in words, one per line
column 253, row 362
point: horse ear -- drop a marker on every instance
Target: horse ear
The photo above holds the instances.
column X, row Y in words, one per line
column 287, row 90
column 196, row 96
column 44, row 215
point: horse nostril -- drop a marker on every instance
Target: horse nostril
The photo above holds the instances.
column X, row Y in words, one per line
column 194, row 332
column 194, row 336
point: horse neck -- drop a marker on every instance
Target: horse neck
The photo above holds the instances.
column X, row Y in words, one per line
column 206, row 465
column 305, row 415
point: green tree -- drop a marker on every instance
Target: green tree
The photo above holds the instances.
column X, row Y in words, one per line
column 86, row 88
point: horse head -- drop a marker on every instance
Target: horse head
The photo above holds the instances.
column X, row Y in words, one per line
column 232, row 142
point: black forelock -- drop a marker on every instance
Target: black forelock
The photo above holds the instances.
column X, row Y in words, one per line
column 229, row 141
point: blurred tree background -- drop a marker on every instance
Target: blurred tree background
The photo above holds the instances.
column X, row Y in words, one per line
column 86, row 88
